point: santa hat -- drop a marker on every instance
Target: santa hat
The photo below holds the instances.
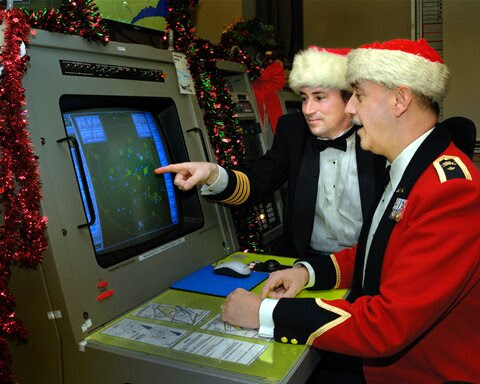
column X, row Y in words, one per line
column 414, row 64
column 319, row 67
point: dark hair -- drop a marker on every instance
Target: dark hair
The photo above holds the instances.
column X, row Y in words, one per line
column 428, row 103
column 345, row 95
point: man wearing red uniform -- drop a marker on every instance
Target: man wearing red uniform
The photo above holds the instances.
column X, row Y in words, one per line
column 412, row 310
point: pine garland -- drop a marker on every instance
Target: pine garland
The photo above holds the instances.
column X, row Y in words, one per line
column 73, row 17
column 220, row 117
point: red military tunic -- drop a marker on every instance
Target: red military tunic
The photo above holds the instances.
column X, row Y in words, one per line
column 422, row 325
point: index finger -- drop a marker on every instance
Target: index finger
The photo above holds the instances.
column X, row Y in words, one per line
column 174, row 168
column 270, row 285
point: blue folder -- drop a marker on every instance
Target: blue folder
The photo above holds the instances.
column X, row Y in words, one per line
column 206, row 281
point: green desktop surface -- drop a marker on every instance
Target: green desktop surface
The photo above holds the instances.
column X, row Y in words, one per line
column 185, row 326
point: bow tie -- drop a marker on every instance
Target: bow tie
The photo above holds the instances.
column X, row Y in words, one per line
column 339, row 143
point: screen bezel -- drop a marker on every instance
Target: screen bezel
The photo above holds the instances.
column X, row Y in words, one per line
column 188, row 203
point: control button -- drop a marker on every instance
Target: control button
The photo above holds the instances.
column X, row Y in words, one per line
column 102, row 284
column 105, row 295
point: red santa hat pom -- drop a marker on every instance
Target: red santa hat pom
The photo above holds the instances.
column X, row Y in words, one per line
column 400, row 62
column 319, row 67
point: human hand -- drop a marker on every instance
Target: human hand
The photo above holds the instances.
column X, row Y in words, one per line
column 190, row 174
column 285, row 283
column 241, row 309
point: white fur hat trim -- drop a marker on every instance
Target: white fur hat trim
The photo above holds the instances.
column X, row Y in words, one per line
column 394, row 68
column 317, row 67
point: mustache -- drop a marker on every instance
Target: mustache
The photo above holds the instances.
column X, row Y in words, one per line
column 357, row 121
column 314, row 115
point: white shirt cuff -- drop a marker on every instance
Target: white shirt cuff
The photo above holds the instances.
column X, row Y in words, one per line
column 218, row 185
column 265, row 317
column 311, row 273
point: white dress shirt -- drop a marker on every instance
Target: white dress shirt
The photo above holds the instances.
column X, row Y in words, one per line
column 218, row 185
column 338, row 211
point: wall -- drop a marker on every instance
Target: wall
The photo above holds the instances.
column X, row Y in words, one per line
column 329, row 23
column 211, row 16
column 462, row 55
column 350, row 23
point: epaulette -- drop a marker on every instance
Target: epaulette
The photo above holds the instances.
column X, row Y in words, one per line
column 451, row 167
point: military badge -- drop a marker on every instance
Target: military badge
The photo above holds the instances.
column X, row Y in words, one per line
column 451, row 167
column 398, row 209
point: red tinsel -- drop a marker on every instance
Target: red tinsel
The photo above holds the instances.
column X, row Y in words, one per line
column 22, row 237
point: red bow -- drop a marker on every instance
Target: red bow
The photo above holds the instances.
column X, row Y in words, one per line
column 265, row 87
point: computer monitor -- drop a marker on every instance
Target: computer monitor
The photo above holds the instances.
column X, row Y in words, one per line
column 116, row 143
column 135, row 14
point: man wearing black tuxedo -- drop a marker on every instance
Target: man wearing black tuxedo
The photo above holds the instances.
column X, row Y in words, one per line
column 331, row 180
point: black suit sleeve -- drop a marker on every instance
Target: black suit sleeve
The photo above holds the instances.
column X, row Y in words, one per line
column 255, row 183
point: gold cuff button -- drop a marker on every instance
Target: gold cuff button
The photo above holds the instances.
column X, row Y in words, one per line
column 284, row 339
column 294, row 341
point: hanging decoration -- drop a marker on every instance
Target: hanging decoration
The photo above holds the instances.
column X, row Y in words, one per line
column 73, row 17
column 258, row 40
column 220, row 116
column 253, row 37
column 22, row 237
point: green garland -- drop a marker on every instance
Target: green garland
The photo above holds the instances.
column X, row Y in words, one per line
column 254, row 37
column 220, row 118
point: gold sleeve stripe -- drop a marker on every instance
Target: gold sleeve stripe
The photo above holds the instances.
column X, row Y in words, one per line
column 238, row 186
column 237, row 199
column 242, row 190
column 246, row 189
column 344, row 315
column 338, row 274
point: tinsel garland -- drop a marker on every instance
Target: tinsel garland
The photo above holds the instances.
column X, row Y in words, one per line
column 214, row 97
column 22, row 234
column 73, row 17
column 22, row 237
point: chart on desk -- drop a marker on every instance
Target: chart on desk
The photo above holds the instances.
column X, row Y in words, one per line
column 172, row 313
column 217, row 325
column 145, row 332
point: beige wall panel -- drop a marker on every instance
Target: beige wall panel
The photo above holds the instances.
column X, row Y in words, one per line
column 211, row 16
column 461, row 49
column 350, row 23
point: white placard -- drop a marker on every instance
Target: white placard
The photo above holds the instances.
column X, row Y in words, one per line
column 185, row 81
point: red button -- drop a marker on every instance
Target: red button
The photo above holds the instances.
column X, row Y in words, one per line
column 105, row 295
column 102, row 284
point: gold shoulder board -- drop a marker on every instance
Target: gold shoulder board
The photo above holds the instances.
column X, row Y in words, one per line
column 451, row 167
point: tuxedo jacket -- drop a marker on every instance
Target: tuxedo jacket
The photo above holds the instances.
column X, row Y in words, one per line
column 283, row 163
column 415, row 317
